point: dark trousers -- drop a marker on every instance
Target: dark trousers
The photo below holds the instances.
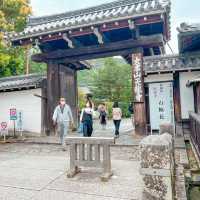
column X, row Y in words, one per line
column 87, row 128
column 117, row 125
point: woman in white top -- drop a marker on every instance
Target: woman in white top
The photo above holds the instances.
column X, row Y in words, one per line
column 86, row 119
column 117, row 116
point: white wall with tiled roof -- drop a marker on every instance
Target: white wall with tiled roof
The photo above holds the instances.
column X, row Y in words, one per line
column 186, row 94
column 25, row 101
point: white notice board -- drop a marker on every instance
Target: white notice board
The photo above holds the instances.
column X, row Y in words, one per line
column 161, row 104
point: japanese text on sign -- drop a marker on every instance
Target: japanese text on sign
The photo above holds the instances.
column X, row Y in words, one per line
column 13, row 114
column 137, row 76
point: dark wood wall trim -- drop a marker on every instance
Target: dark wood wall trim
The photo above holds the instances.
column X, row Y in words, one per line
column 177, row 99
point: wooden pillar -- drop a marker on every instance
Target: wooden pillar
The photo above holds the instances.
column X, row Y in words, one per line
column 177, row 99
column 138, row 92
column 27, row 59
column 44, row 118
column 61, row 82
column 53, row 94
column 69, row 90
column 198, row 98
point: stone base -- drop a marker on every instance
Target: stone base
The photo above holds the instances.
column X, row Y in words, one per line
column 72, row 173
column 106, row 176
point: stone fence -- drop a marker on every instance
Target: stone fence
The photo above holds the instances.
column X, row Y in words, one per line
column 86, row 152
column 157, row 167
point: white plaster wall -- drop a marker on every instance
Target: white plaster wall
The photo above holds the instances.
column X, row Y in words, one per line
column 158, row 78
column 186, row 93
column 26, row 101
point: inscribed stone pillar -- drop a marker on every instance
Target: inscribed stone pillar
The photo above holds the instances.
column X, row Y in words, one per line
column 167, row 128
column 156, row 167
column 138, row 92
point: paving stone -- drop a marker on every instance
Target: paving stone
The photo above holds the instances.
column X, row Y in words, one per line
column 42, row 169
column 37, row 163
column 60, row 195
column 7, row 193
column 27, row 178
column 126, row 182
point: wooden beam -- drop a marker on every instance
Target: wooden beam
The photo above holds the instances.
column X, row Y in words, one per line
column 138, row 93
column 99, row 51
column 99, row 36
column 68, row 40
column 151, row 51
column 77, row 65
column 177, row 98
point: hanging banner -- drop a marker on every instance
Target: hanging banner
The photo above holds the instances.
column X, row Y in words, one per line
column 137, row 77
column 161, row 104
column 13, row 114
column 20, row 120
column 4, row 129
column 4, row 126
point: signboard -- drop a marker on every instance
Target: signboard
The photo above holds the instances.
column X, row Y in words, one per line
column 4, row 129
column 161, row 104
column 13, row 114
column 137, row 77
column 20, row 121
column 4, row 126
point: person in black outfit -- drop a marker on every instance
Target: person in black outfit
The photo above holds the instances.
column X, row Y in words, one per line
column 86, row 119
column 102, row 116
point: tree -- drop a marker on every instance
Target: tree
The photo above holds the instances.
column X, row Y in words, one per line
column 13, row 15
column 112, row 82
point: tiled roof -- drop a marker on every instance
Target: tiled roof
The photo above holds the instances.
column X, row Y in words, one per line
column 117, row 10
column 171, row 63
column 18, row 82
column 188, row 28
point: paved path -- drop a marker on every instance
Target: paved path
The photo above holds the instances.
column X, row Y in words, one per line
column 127, row 136
column 38, row 172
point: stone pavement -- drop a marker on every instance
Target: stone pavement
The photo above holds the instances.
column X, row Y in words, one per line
column 126, row 138
column 38, row 172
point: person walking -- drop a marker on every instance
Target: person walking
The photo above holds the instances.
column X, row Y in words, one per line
column 87, row 119
column 62, row 117
column 103, row 116
column 117, row 116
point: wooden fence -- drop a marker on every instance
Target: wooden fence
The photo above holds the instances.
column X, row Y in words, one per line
column 195, row 130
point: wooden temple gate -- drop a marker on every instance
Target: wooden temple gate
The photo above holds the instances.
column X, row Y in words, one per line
column 128, row 28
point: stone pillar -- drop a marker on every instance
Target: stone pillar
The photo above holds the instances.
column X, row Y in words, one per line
column 138, row 93
column 68, row 89
column 156, row 167
column 167, row 128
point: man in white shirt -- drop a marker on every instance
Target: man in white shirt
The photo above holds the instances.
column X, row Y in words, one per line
column 62, row 117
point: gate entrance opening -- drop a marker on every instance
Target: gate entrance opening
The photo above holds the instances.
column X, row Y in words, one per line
column 128, row 28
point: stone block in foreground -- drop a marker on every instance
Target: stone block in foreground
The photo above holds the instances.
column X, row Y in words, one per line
column 156, row 166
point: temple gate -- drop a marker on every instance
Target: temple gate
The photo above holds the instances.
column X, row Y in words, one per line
column 128, row 28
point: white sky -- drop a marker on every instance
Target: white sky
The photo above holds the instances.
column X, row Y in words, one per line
column 182, row 11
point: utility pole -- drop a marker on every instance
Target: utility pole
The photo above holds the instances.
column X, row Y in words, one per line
column 27, row 59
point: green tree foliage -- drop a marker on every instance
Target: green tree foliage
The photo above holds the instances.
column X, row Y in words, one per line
column 109, row 82
column 13, row 14
column 39, row 68
column 112, row 81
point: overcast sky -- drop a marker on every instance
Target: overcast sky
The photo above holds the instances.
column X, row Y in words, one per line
column 182, row 11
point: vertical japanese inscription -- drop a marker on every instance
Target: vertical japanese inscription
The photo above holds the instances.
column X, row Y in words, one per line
column 137, row 77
